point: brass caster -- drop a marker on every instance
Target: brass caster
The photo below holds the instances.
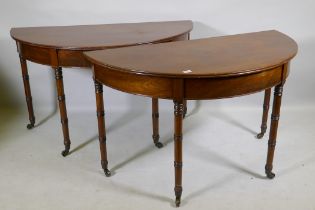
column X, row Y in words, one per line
column 260, row 135
column 270, row 174
column 158, row 145
column 65, row 152
column 30, row 126
column 107, row 173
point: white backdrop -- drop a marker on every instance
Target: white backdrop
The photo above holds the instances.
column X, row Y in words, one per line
column 211, row 18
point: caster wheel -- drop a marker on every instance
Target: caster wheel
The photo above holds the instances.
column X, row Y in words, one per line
column 159, row 145
column 107, row 173
column 270, row 175
column 260, row 135
column 65, row 153
column 30, row 126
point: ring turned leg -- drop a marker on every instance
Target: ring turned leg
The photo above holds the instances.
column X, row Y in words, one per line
column 273, row 130
column 155, row 123
column 178, row 137
column 101, row 126
column 28, row 95
column 63, row 110
column 265, row 114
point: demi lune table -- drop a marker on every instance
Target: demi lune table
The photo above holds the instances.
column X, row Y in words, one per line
column 203, row 69
column 63, row 46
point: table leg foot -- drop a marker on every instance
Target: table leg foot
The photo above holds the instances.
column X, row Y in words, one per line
column 156, row 141
column 178, row 193
column 65, row 152
column 159, row 145
column 261, row 134
column 107, row 173
column 270, row 174
column 30, row 126
column 104, row 164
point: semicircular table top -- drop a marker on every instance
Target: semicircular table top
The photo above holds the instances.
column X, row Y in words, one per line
column 210, row 57
column 89, row 37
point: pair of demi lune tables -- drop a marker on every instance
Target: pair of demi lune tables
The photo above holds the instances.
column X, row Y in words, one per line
column 158, row 60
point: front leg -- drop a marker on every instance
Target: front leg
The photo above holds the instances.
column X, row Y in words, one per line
column 273, row 130
column 63, row 110
column 28, row 94
column 101, row 126
column 178, row 137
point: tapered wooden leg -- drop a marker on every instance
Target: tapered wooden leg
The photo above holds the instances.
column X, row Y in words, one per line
column 28, row 95
column 178, row 137
column 185, row 108
column 63, row 110
column 263, row 126
column 101, row 126
column 155, row 123
column 273, row 130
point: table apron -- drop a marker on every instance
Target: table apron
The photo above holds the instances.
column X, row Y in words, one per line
column 137, row 84
column 193, row 88
column 72, row 58
column 225, row 87
column 41, row 55
column 52, row 57
column 68, row 57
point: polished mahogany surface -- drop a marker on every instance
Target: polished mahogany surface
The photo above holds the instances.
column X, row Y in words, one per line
column 210, row 57
column 94, row 37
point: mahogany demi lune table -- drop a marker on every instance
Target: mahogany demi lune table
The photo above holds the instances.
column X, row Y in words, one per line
column 63, row 46
column 203, row 69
